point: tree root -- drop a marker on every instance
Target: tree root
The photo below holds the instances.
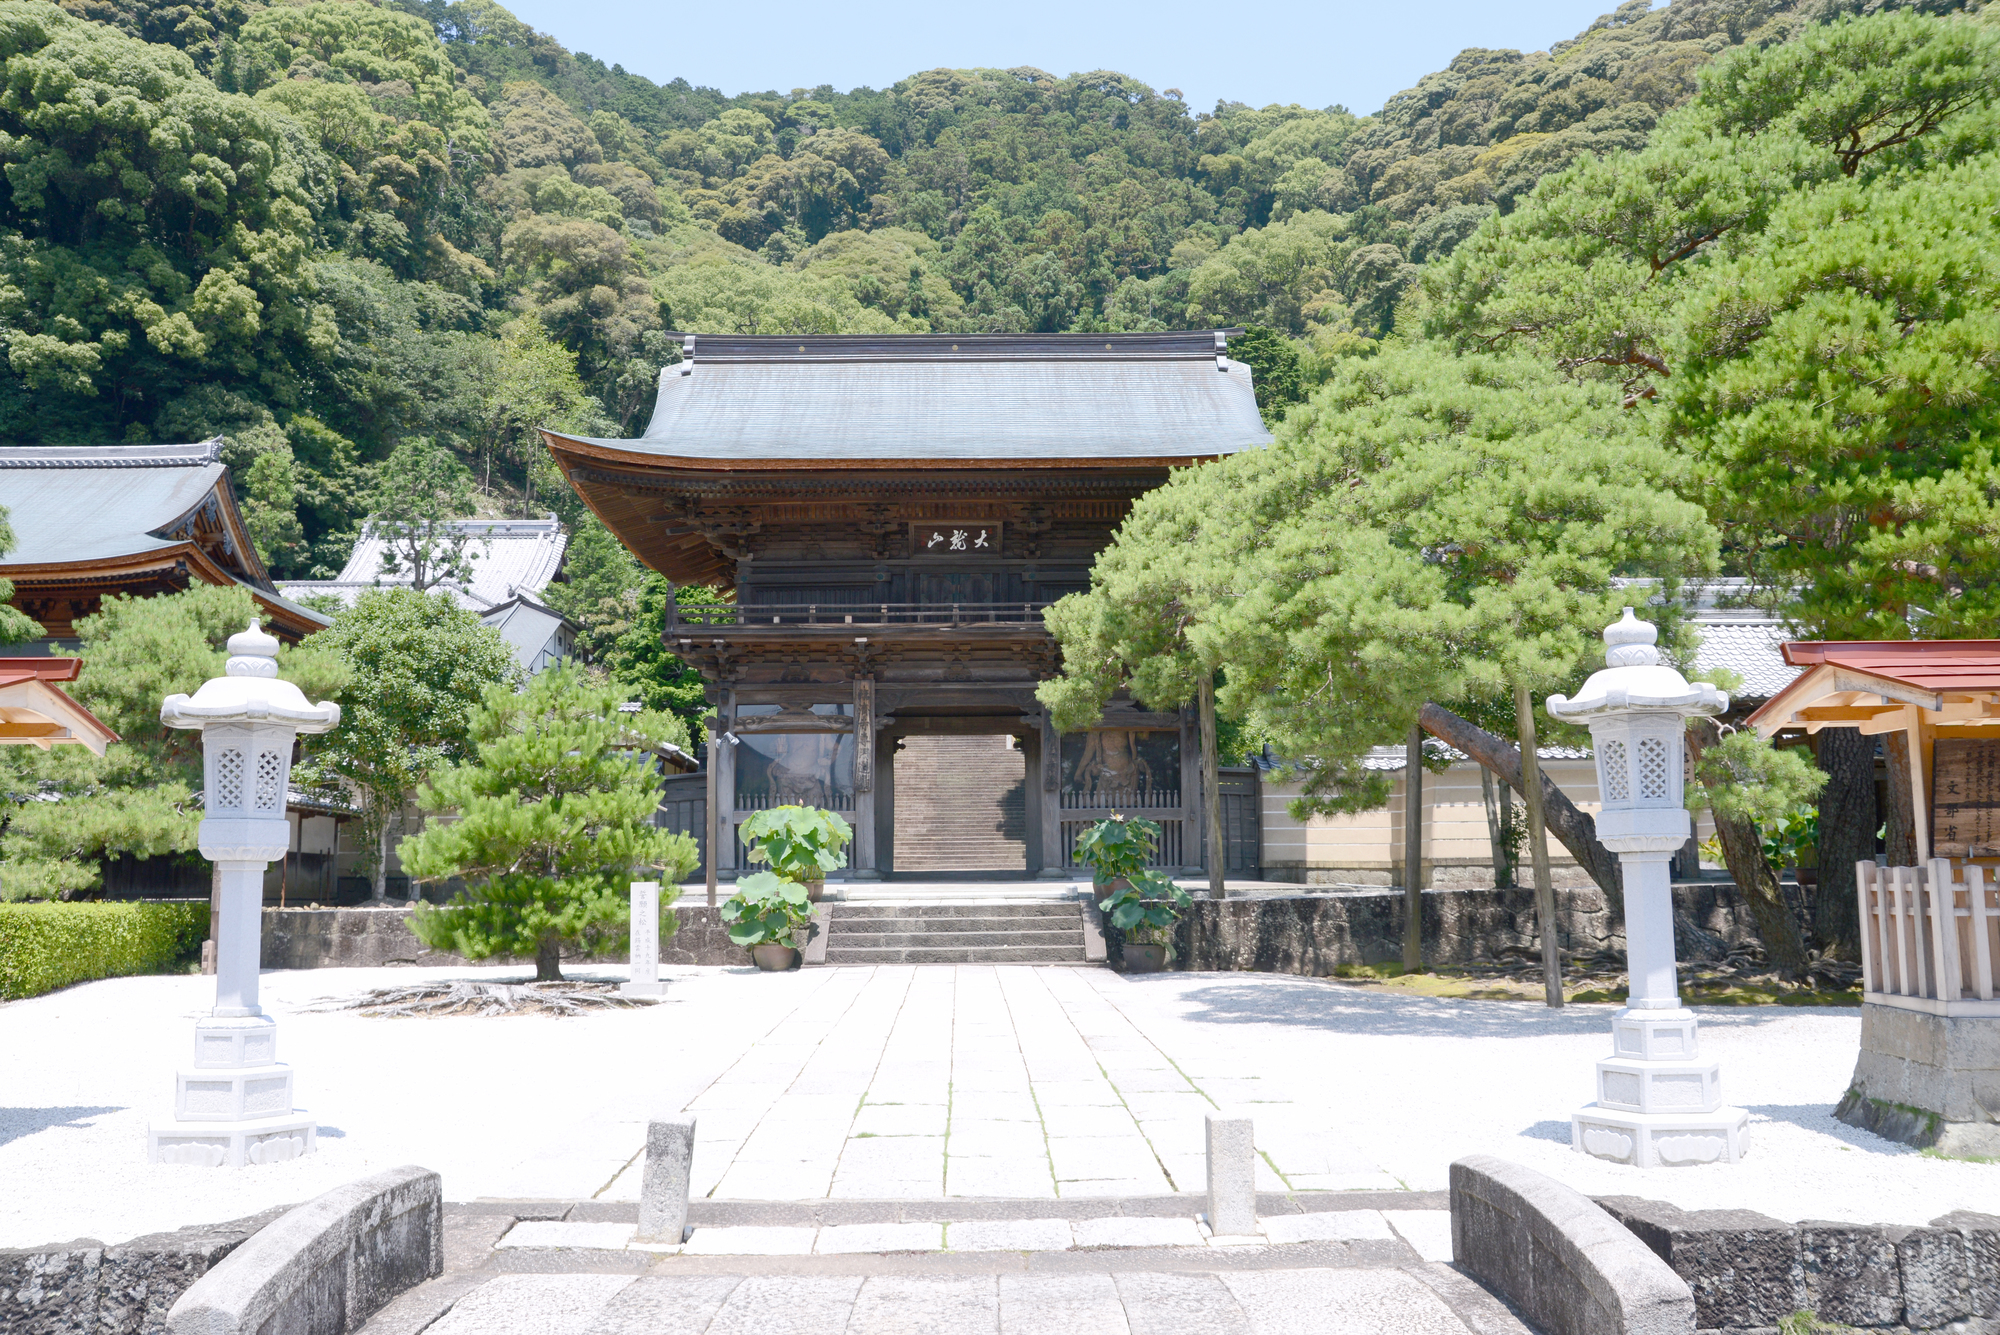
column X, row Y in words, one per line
column 474, row 998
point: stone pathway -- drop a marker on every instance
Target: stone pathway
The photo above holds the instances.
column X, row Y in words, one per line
column 1105, row 1266
column 934, row 1082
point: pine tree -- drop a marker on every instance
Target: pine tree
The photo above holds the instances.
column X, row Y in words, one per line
column 554, row 821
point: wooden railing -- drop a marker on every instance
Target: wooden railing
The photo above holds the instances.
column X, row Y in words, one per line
column 711, row 616
column 1166, row 857
column 1929, row 933
column 1122, row 799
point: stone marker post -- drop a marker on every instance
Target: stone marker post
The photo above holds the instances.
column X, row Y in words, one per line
column 663, row 1188
column 1232, row 1175
column 645, row 942
column 235, row 1106
column 1657, row 1102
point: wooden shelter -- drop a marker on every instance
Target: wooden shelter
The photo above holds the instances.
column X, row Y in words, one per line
column 34, row 711
column 888, row 517
column 94, row 520
column 1930, row 934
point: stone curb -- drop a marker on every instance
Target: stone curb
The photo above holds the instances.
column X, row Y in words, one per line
column 326, row 1266
column 825, row 1211
column 1567, row 1265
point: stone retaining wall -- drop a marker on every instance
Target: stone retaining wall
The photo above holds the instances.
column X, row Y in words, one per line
column 87, row 1288
column 371, row 938
column 1314, row 934
column 1748, row 1271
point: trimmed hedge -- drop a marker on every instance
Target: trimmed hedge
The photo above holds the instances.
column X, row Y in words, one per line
column 51, row 945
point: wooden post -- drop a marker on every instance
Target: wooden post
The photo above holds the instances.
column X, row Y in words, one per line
column 1919, row 808
column 715, row 743
column 1538, row 849
column 1413, row 851
column 1211, row 782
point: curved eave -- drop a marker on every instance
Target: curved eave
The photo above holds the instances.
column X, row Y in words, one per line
column 291, row 619
column 609, row 452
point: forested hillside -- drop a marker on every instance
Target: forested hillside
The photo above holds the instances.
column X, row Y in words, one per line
column 327, row 229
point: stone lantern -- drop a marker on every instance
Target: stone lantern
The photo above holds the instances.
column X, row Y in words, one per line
column 1657, row 1103
column 234, row 1105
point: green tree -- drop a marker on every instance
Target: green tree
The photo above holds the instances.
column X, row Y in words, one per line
column 418, row 665
column 554, row 821
column 72, row 809
column 153, row 231
column 418, row 493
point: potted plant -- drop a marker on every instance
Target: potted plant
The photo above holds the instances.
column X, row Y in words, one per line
column 1117, row 848
column 1144, row 907
column 799, row 843
column 766, row 913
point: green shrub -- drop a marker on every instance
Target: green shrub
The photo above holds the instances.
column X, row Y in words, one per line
column 47, row 946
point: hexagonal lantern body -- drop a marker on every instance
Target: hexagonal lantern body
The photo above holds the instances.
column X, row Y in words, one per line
column 246, row 770
column 235, row 1105
column 1658, row 1103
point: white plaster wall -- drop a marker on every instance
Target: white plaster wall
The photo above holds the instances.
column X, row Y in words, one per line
column 1453, row 814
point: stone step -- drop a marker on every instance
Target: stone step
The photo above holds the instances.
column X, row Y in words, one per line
column 1072, row 939
column 1022, row 913
column 837, row 954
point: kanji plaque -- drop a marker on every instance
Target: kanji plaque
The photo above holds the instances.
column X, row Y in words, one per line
column 1965, row 798
column 958, row 537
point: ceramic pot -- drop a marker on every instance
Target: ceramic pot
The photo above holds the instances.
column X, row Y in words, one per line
column 772, row 957
column 1144, row 958
column 814, row 889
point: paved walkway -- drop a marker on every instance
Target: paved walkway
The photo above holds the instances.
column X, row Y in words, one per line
column 943, row 1083
column 1346, row 1272
column 926, row 1082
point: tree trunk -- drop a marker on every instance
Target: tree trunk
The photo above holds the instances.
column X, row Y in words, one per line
column 1573, row 829
column 1211, row 780
column 1847, row 827
column 548, row 960
column 1499, row 825
column 1413, row 851
column 1538, row 850
column 1743, row 854
column 1900, row 818
column 381, row 892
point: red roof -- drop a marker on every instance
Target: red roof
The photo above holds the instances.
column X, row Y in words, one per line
column 1931, row 665
column 46, row 669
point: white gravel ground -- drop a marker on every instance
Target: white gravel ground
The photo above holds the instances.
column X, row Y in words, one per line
column 925, row 1081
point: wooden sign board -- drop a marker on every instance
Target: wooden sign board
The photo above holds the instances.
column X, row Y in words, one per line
column 955, row 538
column 1965, row 798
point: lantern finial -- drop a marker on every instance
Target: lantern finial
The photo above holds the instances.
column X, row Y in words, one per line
column 1631, row 642
column 252, row 653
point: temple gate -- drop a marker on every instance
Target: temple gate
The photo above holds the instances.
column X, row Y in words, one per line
column 888, row 517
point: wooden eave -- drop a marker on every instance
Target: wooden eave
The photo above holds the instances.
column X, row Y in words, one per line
column 1887, row 696
column 34, row 711
column 95, row 575
column 625, row 488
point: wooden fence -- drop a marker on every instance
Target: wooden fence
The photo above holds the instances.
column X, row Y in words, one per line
column 1929, row 933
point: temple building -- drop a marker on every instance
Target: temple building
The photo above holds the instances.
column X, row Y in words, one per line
column 510, row 562
column 94, row 520
column 887, row 517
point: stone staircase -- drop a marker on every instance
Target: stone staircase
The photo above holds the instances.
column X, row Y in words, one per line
column 961, row 805
column 1035, row 932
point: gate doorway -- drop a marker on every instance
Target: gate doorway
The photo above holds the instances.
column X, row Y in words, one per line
column 961, row 805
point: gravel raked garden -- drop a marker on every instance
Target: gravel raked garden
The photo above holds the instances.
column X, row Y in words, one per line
column 915, row 1082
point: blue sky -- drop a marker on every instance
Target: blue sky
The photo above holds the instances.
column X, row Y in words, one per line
column 1353, row 52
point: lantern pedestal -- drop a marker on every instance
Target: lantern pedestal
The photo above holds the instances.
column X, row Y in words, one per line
column 1658, row 1104
column 234, row 1105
